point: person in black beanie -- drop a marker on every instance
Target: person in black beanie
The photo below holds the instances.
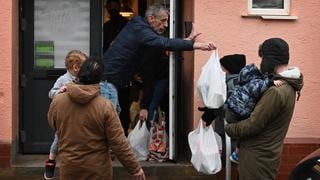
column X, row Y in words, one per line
column 273, row 52
column 242, row 100
column 231, row 65
column 261, row 135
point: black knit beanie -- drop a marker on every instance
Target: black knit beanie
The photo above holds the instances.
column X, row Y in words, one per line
column 233, row 63
column 274, row 52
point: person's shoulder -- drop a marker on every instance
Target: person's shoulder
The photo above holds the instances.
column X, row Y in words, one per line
column 277, row 91
column 103, row 101
column 105, row 104
column 62, row 77
column 59, row 98
column 139, row 20
column 139, row 25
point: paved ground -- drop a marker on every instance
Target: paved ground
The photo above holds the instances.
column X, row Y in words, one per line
column 154, row 173
column 30, row 167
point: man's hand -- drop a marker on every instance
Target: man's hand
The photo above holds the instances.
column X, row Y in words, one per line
column 206, row 46
column 143, row 114
column 139, row 175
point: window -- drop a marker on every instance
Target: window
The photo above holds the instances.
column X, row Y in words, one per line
column 268, row 7
column 60, row 26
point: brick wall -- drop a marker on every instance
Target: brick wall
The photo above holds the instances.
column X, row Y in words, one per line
column 294, row 153
column 5, row 155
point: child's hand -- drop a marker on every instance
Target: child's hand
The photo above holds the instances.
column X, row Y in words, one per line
column 277, row 83
column 62, row 89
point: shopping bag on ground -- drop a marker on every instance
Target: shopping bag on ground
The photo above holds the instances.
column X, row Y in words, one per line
column 205, row 157
column 212, row 83
column 138, row 139
column 158, row 146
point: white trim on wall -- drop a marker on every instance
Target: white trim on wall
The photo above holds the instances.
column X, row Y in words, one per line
column 268, row 7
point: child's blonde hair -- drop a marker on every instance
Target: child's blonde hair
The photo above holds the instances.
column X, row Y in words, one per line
column 75, row 57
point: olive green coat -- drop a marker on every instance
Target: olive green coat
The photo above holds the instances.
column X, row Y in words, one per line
column 262, row 134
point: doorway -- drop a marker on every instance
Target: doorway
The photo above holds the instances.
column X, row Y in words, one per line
column 128, row 9
column 49, row 29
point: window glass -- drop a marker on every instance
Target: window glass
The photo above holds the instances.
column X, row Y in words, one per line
column 60, row 26
column 269, row 7
column 269, row 4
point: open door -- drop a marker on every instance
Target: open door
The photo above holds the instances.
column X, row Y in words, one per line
column 49, row 29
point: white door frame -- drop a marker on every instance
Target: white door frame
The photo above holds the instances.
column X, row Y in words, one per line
column 172, row 85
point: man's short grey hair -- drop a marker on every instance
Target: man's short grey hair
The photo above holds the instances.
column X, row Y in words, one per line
column 154, row 10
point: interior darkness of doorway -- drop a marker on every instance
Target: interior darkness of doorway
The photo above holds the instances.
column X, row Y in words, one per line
column 181, row 131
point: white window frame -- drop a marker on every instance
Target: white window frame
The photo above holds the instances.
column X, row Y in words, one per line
column 266, row 11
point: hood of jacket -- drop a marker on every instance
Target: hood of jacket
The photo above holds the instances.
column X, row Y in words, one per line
column 82, row 94
column 293, row 77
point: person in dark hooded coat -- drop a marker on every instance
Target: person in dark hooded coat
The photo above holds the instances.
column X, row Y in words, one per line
column 262, row 134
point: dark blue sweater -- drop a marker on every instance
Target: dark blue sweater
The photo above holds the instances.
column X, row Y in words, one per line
column 130, row 45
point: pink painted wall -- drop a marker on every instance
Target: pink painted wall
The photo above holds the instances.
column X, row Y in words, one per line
column 221, row 22
column 8, row 70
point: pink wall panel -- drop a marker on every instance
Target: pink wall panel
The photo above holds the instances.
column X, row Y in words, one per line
column 221, row 22
column 6, row 71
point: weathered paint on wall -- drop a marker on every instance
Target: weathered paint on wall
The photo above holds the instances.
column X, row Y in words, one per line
column 221, row 22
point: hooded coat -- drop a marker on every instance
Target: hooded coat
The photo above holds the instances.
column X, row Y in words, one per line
column 88, row 126
column 263, row 133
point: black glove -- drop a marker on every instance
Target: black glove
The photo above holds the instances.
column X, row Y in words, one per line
column 208, row 116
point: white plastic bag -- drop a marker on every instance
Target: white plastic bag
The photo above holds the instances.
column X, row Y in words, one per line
column 205, row 151
column 138, row 139
column 212, row 83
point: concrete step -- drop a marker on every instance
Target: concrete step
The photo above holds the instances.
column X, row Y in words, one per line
column 31, row 167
